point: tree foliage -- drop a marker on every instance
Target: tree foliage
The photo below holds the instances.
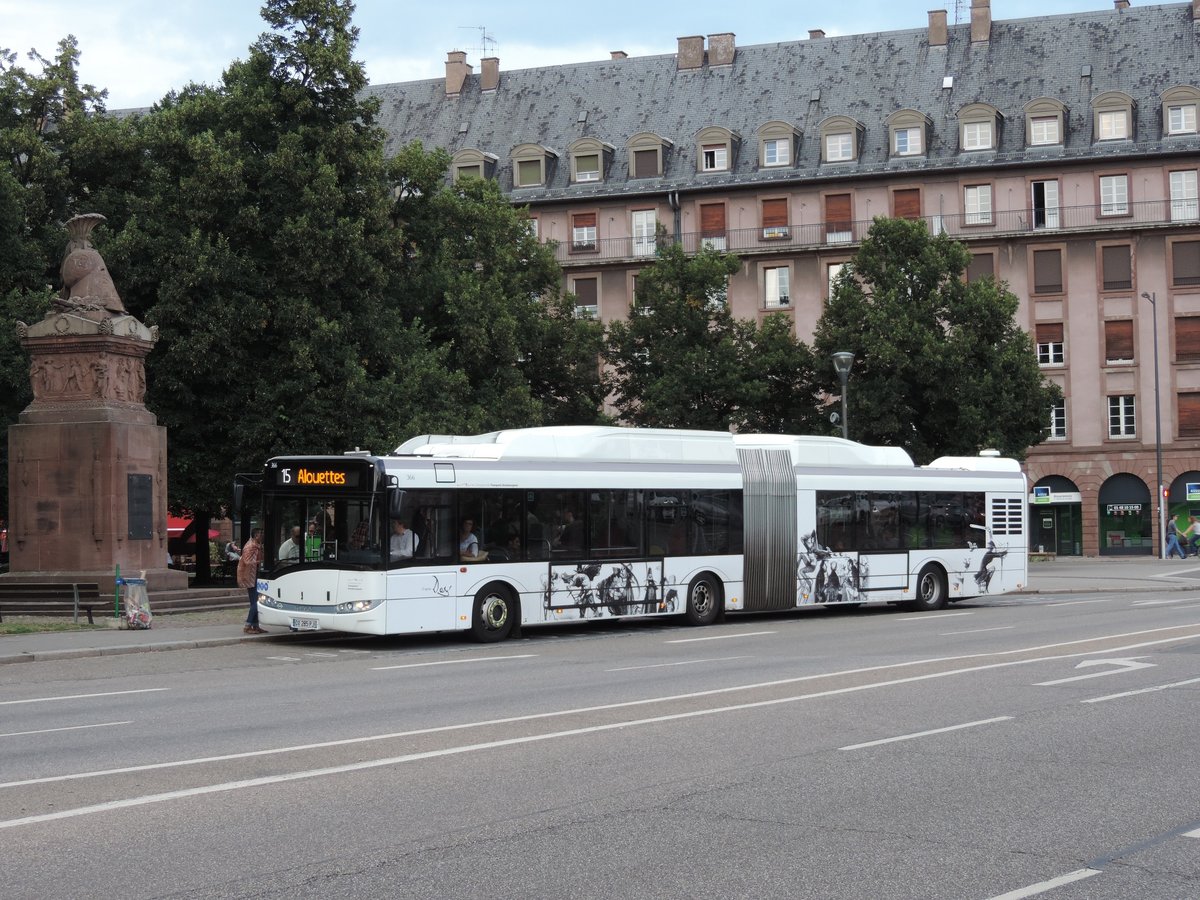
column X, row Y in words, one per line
column 941, row 367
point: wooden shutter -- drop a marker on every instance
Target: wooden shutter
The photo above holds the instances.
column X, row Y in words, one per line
column 1118, row 268
column 980, row 266
column 1050, row 333
column 1118, row 340
column 1187, row 338
column 906, row 204
column 1189, row 415
column 837, row 212
column 1047, row 272
column 712, row 219
column 584, row 220
column 774, row 213
column 585, row 291
column 645, row 163
column 1185, row 262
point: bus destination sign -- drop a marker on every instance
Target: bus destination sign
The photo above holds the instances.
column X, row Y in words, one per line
column 319, row 474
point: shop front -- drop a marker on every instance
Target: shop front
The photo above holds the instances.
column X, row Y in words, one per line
column 1126, row 517
column 1056, row 517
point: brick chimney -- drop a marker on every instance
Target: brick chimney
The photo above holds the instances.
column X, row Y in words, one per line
column 721, row 49
column 937, row 28
column 981, row 21
column 619, row 54
column 815, row 34
column 1121, row 4
column 457, row 72
column 691, row 52
column 489, row 73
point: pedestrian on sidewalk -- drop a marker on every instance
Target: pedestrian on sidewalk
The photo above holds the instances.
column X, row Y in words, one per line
column 247, row 577
column 1173, row 539
column 1190, row 537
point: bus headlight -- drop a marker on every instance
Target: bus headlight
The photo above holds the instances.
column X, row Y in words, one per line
column 357, row 606
column 269, row 601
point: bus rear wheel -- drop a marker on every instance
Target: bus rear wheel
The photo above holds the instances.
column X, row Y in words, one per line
column 703, row 599
column 492, row 618
column 931, row 589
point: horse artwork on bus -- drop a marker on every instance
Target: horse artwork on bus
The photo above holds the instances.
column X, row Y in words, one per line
column 490, row 533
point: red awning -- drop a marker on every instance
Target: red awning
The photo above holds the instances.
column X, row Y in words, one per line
column 177, row 524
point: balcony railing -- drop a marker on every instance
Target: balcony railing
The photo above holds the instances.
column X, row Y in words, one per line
column 965, row 227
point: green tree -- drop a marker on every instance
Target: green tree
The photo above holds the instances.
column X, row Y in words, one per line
column 682, row 360
column 941, row 367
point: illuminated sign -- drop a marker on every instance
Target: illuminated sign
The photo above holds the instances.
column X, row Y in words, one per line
column 1041, row 495
column 1193, row 492
column 317, row 475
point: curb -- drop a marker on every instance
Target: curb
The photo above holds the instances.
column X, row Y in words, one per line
column 123, row 649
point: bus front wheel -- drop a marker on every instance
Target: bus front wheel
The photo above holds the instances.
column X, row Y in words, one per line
column 703, row 599
column 492, row 619
column 931, row 589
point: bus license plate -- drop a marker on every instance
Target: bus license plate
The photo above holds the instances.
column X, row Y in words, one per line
column 305, row 624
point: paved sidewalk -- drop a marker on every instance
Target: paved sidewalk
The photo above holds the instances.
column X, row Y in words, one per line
column 224, row 627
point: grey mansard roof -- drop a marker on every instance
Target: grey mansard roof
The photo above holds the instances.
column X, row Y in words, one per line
column 1141, row 51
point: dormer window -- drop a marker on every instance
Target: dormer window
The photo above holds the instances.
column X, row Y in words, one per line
column 1113, row 114
column 776, row 144
column 907, row 129
column 647, row 154
column 715, row 149
column 840, row 139
column 978, row 127
column 472, row 163
column 589, row 160
column 1179, row 110
column 1045, row 123
column 531, row 165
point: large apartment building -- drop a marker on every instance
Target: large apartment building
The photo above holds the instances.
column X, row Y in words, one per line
column 1062, row 149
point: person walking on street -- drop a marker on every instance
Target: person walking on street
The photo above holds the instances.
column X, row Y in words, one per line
column 247, row 577
column 1190, row 536
column 1173, row 539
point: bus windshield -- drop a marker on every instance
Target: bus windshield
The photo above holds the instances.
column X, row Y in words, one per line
column 304, row 529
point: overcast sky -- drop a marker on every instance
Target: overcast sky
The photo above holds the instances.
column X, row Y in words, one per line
column 141, row 49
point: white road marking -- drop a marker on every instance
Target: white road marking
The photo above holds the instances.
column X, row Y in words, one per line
column 686, row 662
column 65, row 728
column 1149, row 690
column 326, row 655
column 285, row 658
column 1042, row 886
column 627, row 704
column 1123, row 665
column 81, row 696
column 1077, row 602
column 1168, row 602
column 454, row 662
column 977, row 630
column 1192, row 834
column 921, row 734
column 719, row 637
column 929, row 617
column 1175, row 572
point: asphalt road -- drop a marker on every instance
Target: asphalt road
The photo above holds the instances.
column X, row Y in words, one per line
column 1010, row 747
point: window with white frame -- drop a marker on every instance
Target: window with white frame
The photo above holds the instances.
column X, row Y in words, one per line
column 832, row 271
column 644, row 225
column 587, row 167
column 1114, row 195
column 776, row 287
column 1058, row 421
column 1113, row 124
column 587, row 298
column 1044, row 130
column 583, row 231
column 906, row 141
column 532, row 225
column 1121, row 419
column 1049, row 337
column 1044, row 199
column 716, row 158
column 977, row 204
column 777, row 153
column 1185, row 206
column 1181, row 118
column 839, row 147
column 977, row 135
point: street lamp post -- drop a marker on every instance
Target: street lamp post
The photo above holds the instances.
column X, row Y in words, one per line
column 1162, row 513
column 842, row 361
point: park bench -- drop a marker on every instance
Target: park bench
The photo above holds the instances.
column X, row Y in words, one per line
column 51, row 599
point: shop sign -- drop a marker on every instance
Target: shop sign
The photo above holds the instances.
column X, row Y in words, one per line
column 1124, row 509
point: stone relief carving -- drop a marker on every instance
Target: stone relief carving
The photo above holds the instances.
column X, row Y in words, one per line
column 85, row 377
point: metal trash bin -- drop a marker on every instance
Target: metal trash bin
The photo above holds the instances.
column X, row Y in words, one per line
column 135, row 603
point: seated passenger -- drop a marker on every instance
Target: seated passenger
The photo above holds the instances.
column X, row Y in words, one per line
column 403, row 543
column 570, row 534
column 468, row 544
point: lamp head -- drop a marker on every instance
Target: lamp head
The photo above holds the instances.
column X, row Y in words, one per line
column 842, row 361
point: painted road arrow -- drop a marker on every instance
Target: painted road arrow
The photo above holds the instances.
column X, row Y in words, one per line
column 1125, row 665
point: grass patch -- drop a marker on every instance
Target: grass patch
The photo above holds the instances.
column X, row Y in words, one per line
column 39, row 627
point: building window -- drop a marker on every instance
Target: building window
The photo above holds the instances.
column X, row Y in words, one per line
column 645, row 236
column 586, row 297
column 832, row 271
column 532, row 224
column 647, row 154
column 777, row 152
column 468, row 172
column 1121, row 420
column 982, row 265
column 1116, row 265
column 529, row 172
column 839, row 223
column 907, row 142
column 1050, row 344
column 1113, row 125
column 1185, row 263
column 906, row 203
column 1189, row 415
column 587, row 167
column 1058, row 421
column 1181, row 118
column 1184, row 205
column 715, row 158
column 1043, row 130
column 977, row 204
column 1118, row 342
column 977, row 135
column 1114, row 195
column 839, row 147
column 1047, row 272
column 1044, row 197
column 775, row 219
column 1187, row 339
column 712, row 226
column 776, row 287
column 645, row 164
column 583, row 231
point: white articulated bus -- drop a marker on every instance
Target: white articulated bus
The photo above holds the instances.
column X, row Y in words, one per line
column 492, row 532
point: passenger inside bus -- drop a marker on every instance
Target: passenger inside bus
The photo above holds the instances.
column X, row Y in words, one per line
column 570, row 533
column 403, row 543
column 468, row 544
